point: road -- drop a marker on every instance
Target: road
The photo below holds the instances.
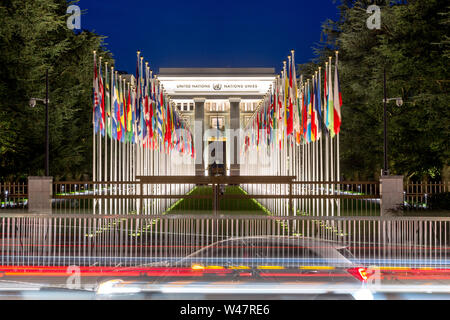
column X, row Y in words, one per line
column 393, row 286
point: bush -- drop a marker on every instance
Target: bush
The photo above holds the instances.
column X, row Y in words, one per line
column 439, row 201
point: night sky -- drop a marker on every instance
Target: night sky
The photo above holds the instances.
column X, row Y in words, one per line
column 208, row 33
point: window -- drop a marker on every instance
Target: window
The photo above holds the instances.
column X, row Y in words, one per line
column 217, row 121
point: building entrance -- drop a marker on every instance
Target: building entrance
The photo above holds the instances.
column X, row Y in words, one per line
column 217, row 157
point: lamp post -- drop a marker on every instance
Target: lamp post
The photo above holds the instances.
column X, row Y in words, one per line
column 47, row 134
column 386, row 168
column 399, row 101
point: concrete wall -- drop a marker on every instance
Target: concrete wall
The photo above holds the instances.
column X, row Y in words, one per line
column 40, row 194
column 391, row 189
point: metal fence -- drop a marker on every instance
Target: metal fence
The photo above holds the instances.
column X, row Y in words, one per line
column 324, row 198
column 286, row 197
column 243, row 241
column 13, row 195
column 279, row 196
column 424, row 195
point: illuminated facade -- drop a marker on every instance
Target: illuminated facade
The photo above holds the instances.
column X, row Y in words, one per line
column 214, row 100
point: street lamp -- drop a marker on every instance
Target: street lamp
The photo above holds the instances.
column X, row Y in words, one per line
column 33, row 102
column 399, row 102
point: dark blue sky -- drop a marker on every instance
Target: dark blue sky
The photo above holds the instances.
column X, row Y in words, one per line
column 176, row 33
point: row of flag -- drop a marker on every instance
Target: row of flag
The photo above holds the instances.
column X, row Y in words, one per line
column 138, row 113
column 298, row 110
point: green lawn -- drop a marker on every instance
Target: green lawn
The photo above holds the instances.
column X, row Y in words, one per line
column 227, row 206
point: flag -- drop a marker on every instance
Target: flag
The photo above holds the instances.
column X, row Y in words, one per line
column 325, row 98
column 304, row 113
column 133, row 115
column 96, row 99
column 318, row 100
column 102, row 100
column 121, row 111
column 107, row 104
column 337, row 99
column 309, row 137
column 313, row 112
column 129, row 119
column 159, row 114
column 117, row 109
column 114, row 108
column 290, row 103
column 330, row 103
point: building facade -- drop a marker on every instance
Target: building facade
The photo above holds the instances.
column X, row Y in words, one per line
column 215, row 103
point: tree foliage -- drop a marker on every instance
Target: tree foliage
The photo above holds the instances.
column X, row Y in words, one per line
column 34, row 37
column 412, row 46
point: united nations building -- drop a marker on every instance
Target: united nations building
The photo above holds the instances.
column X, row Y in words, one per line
column 217, row 99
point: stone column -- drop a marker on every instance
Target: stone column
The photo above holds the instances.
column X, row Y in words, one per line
column 40, row 194
column 199, row 136
column 391, row 190
column 235, row 124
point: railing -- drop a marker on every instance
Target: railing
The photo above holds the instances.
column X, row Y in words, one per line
column 426, row 195
column 306, row 198
column 279, row 196
column 116, row 198
column 230, row 241
column 13, row 195
column 326, row 198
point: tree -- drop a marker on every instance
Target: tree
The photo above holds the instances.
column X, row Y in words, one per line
column 412, row 47
column 36, row 38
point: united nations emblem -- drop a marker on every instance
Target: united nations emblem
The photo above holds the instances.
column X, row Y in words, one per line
column 217, row 87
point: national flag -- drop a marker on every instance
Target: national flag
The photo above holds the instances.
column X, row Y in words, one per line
column 129, row 119
column 117, row 109
column 304, row 113
column 330, row 103
column 122, row 111
column 102, row 100
column 337, row 99
column 96, row 99
column 114, row 108
column 309, row 137
column 290, row 103
column 318, row 99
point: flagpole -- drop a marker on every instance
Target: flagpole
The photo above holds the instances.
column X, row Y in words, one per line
column 94, row 158
column 111, row 142
column 115, row 154
column 338, row 178
column 106, row 141
column 119, row 142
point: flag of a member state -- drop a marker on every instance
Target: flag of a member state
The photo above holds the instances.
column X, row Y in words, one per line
column 122, row 117
column 330, row 103
column 309, row 126
column 117, row 111
column 102, row 101
column 304, row 113
column 337, row 99
column 96, row 99
column 313, row 113
column 114, row 108
column 318, row 100
column 129, row 123
column 290, row 105
column 107, row 105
